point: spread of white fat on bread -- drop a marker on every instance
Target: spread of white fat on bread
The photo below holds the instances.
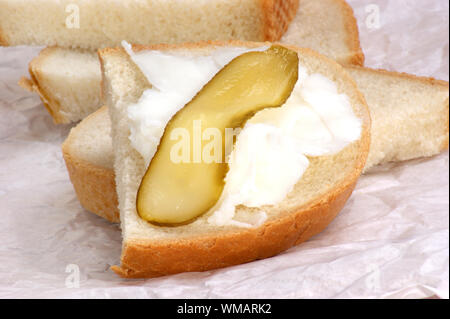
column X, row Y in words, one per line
column 270, row 154
column 175, row 80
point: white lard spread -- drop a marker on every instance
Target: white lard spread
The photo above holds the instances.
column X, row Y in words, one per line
column 271, row 152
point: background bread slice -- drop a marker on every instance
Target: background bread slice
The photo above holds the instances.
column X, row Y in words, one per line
column 328, row 27
column 68, row 81
column 409, row 120
column 106, row 23
column 150, row 251
column 410, row 114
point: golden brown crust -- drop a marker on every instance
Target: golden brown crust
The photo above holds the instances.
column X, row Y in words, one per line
column 141, row 258
column 148, row 259
column 351, row 26
column 3, row 41
column 277, row 15
column 445, row 143
column 26, row 84
column 94, row 185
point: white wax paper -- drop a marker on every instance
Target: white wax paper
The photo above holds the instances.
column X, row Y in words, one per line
column 390, row 241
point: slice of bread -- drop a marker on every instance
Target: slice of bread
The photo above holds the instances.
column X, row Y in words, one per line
column 409, row 120
column 328, row 27
column 97, row 24
column 150, row 251
column 410, row 114
column 68, row 81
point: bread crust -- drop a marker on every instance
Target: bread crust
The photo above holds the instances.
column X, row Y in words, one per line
column 146, row 259
column 94, row 185
column 445, row 143
column 277, row 15
column 141, row 259
column 3, row 41
column 353, row 41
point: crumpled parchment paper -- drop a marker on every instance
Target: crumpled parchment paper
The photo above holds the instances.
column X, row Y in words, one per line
column 390, row 241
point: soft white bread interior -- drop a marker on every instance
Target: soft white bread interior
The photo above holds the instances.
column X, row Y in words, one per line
column 150, row 251
column 410, row 114
column 68, row 81
column 409, row 120
column 96, row 24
